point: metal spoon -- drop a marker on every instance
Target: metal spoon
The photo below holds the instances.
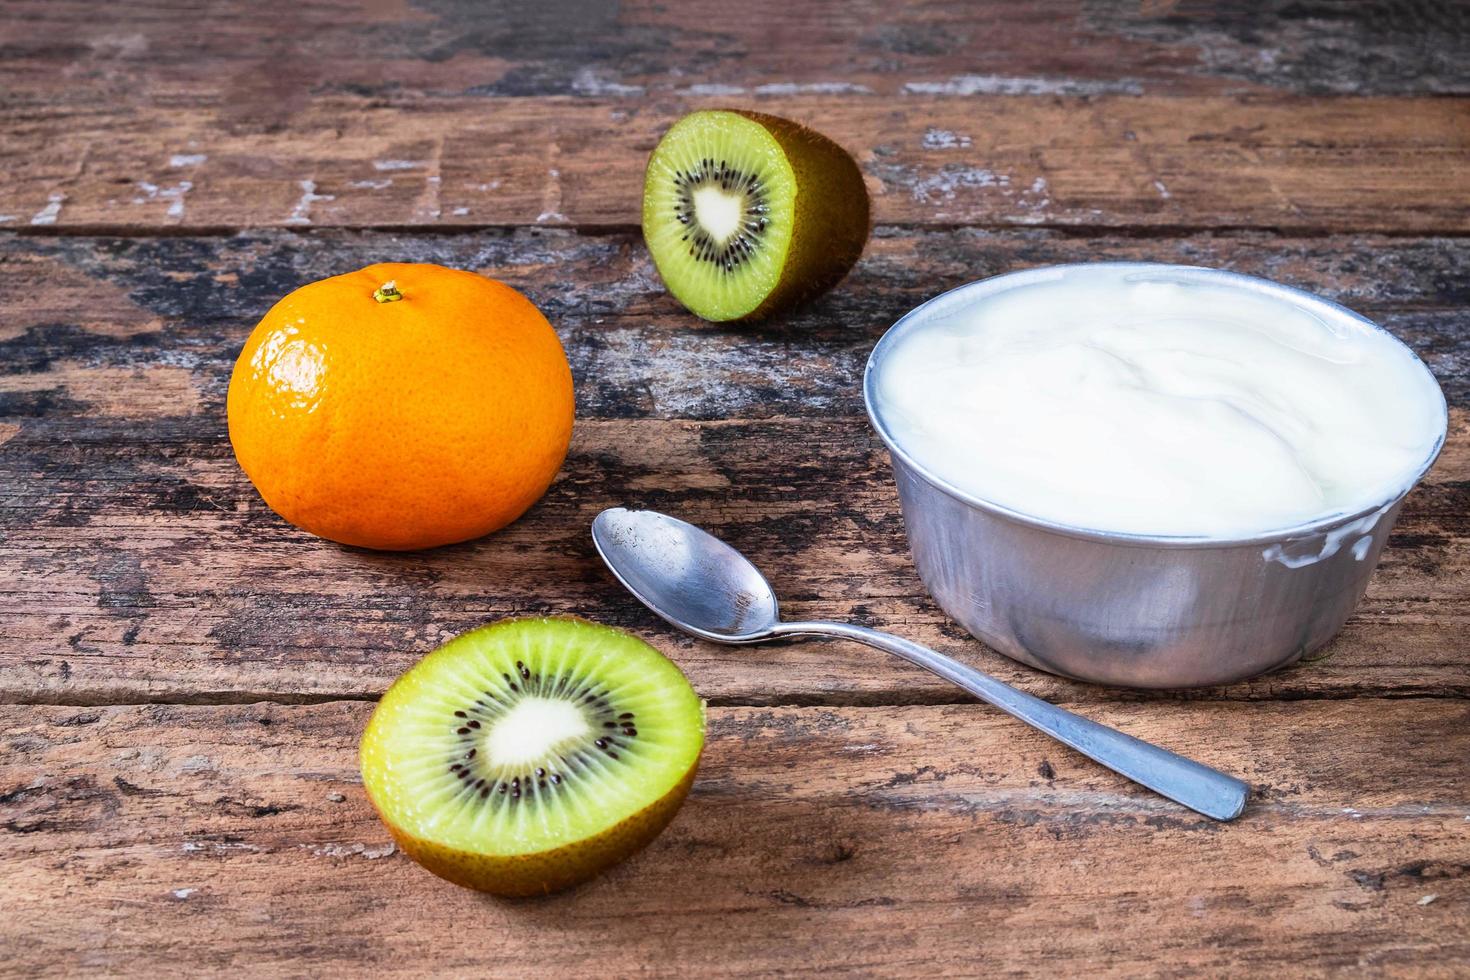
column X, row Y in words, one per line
column 707, row 588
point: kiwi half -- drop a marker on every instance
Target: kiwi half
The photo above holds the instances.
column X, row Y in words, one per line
column 747, row 214
column 526, row 756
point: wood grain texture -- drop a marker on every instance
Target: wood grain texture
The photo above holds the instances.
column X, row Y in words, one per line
column 948, row 840
column 160, row 575
column 256, row 53
column 345, row 160
column 189, row 303
column 138, row 563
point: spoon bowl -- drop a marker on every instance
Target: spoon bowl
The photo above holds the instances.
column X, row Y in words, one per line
column 706, row 588
column 688, row 576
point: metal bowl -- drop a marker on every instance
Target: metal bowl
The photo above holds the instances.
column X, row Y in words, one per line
column 1128, row 609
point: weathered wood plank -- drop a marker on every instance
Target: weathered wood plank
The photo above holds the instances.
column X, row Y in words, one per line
column 186, row 305
column 138, row 563
column 263, row 52
column 155, row 572
column 869, row 841
column 339, row 159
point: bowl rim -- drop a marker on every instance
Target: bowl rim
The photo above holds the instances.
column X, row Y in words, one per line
column 981, row 288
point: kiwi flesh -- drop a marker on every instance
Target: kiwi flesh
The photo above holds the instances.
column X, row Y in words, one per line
column 748, row 214
column 527, row 756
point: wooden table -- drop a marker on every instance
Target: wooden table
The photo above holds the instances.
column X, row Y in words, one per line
column 184, row 677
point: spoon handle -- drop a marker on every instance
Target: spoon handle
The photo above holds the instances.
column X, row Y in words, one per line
column 1182, row 780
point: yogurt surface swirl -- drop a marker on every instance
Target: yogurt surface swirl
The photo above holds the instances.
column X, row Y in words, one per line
column 1131, row 399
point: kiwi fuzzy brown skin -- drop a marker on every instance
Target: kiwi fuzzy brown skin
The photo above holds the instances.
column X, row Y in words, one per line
column 832, row 214
column 525, row 875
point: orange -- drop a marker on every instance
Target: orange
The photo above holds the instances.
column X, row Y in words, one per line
column 401, row 406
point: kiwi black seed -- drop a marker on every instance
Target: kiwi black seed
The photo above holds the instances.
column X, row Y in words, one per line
column 747, row 214
column 509, row 760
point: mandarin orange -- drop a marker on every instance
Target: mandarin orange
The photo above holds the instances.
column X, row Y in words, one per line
column 401, row 406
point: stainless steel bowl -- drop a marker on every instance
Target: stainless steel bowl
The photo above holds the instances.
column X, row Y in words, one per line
column 1127, row 609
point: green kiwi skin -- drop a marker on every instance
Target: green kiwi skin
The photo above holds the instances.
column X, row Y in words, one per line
column 830, row 226
column 522, row 876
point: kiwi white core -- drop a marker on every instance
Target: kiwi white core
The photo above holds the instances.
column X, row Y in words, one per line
column 719, row 213
column 533, row 730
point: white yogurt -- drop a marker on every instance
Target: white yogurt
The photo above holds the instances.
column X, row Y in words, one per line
column 1131, row 399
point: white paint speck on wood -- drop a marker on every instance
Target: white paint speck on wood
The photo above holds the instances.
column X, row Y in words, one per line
column 52, row 210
